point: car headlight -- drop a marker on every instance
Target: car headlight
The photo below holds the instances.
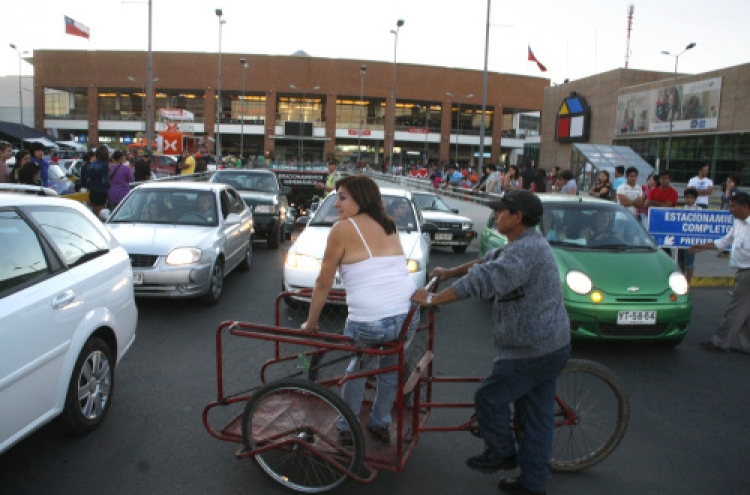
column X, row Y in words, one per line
column 467, row 226
column 302, row 261
column 271, row 209
column 413, row 265
column 579, row 282
column 183, row 256
column 678, row 283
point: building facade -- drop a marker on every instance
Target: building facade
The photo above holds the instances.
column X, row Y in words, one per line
column 286, row 107
column 675, row 124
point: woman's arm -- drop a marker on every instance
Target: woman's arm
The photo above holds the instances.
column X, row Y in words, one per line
column 334, row 253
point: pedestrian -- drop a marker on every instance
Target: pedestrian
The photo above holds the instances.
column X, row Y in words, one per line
column 629, row 193
column 142, row 169
column 22, row 157
column 729, row 186
column 528, row 174
column 120, row 177
column 531, row 336
column 618, row 180
column 6, row 151
column 686, row 259
column 29, row 174
column 37, row 156
column 97, row 180
column 330, row 183
column 539, row 184
column 552, row 178
column 513, row 180
column 88, row 157
column 703, row 184
column 601, row 188
column 736, row 322
column 566, row 184
column 186, row 165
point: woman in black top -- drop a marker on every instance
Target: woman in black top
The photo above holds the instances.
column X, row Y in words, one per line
column 602, row 186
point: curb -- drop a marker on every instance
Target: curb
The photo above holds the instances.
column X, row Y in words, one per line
column 712, row 282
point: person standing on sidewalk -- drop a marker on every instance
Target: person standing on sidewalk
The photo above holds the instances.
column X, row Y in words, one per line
column 736, row 322
column 531, row 334
column 703, row 184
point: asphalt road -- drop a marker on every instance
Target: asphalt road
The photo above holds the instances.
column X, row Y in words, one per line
column 687, row 435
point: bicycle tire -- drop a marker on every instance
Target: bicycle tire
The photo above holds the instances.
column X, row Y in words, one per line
column 602, row 411
column 307, row 410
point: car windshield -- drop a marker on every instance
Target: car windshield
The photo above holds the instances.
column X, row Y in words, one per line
column 167, row 206
column 598, row 226
column 248, row 181
column 428, row 202
column 397, row 207
column 55, row 172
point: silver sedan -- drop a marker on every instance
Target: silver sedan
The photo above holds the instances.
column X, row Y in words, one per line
column 183, row 237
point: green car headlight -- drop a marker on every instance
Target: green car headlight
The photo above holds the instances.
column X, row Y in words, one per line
column 678, row 283
column 579, row 282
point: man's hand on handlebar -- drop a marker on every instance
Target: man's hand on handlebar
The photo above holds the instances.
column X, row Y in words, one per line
column 441, row 274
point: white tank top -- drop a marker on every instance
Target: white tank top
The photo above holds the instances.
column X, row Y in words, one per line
column 376, row 287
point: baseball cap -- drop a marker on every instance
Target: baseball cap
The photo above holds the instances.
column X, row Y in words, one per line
column 523, row 200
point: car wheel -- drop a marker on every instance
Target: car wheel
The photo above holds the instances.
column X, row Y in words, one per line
column 216, row 285
column 459, row 249
column 90, row 388
column 274, row 238
column 287, row 235
column 246, row 262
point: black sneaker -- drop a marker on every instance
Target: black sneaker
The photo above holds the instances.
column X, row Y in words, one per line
column 513, row 487
column 382, row 435
column 488, row 463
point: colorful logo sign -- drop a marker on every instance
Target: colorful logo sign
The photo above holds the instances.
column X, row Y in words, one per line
column 573, row 120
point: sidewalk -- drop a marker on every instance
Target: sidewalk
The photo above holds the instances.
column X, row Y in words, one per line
column 712, row 271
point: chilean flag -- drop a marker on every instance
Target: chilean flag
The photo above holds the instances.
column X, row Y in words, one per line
column 532, row 58
column 76, row 28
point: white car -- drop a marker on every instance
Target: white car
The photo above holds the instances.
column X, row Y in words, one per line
column 453, row 229
column 304, row 258
column 67, row 315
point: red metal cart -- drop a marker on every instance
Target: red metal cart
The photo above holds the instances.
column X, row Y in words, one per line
column 288, row 423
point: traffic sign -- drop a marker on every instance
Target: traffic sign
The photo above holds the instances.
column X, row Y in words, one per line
column 680, row 228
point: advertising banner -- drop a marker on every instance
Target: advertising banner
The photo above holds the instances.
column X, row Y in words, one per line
column 691, row 106
column 680, row 228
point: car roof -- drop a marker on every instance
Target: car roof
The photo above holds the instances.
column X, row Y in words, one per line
column 35, row 200
column 569, row 198
column 245, row 171
column 388, row 191
column 186, row 185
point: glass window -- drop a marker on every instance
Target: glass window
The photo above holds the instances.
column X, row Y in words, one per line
column 69, row 103
column 191, row 100
column 250, row 108
column 75, row 237
column 22, row 260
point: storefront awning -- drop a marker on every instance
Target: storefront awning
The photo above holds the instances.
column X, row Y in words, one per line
column 587, row 160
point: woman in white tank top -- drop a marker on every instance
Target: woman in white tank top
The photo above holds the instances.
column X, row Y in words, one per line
column 364, row 246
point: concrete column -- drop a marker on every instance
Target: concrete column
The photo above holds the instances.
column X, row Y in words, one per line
column 269, row 145
column 209, row 115
column 330, row 146
column 446, row 124
column 93, row 115
column 497, row 124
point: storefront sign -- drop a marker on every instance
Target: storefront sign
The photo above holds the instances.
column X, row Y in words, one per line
column 680, row 228
column 418, row 130
column 359, row 132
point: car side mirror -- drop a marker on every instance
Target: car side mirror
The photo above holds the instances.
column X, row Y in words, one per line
column 232, row 219
column 105, row 214
column 301, row 222
column 429, row 228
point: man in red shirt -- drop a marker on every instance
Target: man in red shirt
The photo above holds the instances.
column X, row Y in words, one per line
column 663, row 195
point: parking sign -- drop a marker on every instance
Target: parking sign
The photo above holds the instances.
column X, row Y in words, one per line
column 679, row 228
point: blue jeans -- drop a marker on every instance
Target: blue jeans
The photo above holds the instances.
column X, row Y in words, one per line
column 369, row 334
column 530, row 385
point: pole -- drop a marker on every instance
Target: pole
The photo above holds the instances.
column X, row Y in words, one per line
column 458, row 127
column 219, row 13
column 149, row 88
column 399, row 23
column 242, row 116
column 301, row 128
column 20, row 93
column 484, row 89
column 674, row 98
column 362, row 71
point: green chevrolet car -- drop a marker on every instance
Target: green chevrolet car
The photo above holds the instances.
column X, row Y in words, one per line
column 617, row 283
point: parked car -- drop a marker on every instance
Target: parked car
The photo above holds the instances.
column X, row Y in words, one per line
column 453, row 229
column 260, row 190
column 183, row 238
column 67, row 316
column 12, row 188
column 304, row 258
column 58, row 180
column 617, row 283
column 163, row 165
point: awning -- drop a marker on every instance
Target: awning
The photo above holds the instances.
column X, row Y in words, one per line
column 46, row 142
column 72, row 144
column 587, row 160
column 11, row 131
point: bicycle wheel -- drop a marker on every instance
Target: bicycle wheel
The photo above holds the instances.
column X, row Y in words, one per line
column 301, row 417
column 591, row 416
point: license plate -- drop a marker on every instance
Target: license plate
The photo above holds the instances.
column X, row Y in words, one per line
column 636, row 317
column 443, row 237
column 137, row 278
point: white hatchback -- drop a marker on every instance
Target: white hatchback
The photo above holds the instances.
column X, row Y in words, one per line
column 67, row 315
column 303, row 260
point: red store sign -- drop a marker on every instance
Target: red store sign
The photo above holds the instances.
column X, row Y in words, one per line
column 358, row 132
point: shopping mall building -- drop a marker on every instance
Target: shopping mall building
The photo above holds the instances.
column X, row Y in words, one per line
column 708, row 114
column 285, row 107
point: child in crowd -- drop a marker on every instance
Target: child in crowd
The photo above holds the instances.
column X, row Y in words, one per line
column 685, row 259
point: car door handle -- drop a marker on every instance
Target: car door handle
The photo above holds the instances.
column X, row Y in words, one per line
column 63, row 299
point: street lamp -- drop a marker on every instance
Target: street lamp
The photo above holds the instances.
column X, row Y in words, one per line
column 219, row 13
column 143, row 107
column 149, row 79
column 362, row 72
column 394, row 32
column 20, row 92
column 302, row 118
column 458, row 119
column 242, row 115
column 674, row 98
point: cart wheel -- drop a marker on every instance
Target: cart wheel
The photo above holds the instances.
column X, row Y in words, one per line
column 303, row 414
column 600, row 412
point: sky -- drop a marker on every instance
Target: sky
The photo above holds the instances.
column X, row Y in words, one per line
column 573, row 39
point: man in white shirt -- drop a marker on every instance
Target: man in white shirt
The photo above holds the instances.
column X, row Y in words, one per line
column 703, row 184
column 630, row 194
column 736, row 322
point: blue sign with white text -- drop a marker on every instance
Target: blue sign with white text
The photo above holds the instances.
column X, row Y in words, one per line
column 127, row 139
column 680, row 228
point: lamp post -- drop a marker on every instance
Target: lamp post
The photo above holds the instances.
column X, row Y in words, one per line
column 362, row 72
column 674, row 98
column 302, row 118
column 219, row 14
column 458, row 119
column 20, row 93
column 149, row 79
column 394, row 32
column 144, row 111
column 242, row 116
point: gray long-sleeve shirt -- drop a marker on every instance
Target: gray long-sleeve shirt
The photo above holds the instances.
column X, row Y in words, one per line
column 528, row 313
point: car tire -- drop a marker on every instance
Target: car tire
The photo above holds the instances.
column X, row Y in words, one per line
column 246, row 262
column 90, row 389
column 274, row 238
column 459, row 249
column 216, row 284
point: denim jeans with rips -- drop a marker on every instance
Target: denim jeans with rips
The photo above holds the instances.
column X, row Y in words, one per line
column 529, row 384
column 368, row 334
